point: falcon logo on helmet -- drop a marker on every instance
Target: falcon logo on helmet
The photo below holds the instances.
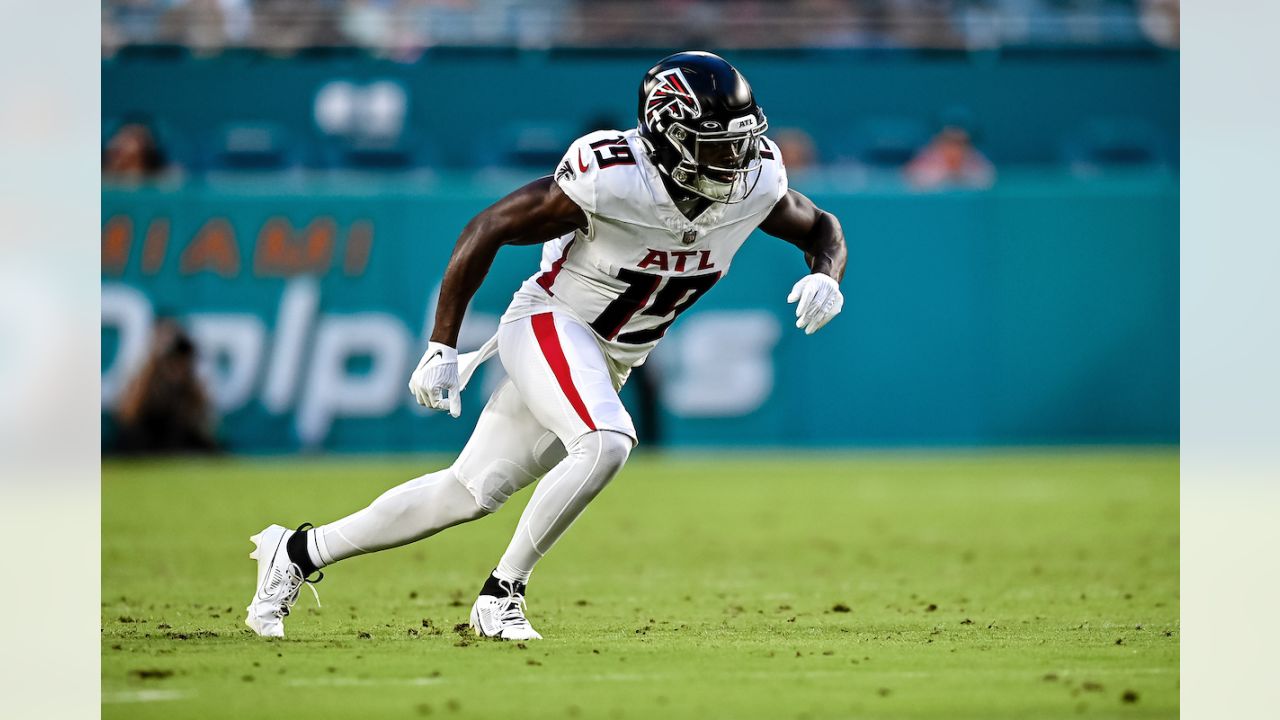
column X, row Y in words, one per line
column 671, row 96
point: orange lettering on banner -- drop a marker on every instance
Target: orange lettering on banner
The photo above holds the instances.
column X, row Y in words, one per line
column 117, row 237
column 155, row 246
column 214, row 248
column 280, row 254
column 359, row 245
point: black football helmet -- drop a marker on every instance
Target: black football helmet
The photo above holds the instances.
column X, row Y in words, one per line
column 702, row 125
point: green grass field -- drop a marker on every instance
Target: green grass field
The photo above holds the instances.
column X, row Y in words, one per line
column 1026, row 584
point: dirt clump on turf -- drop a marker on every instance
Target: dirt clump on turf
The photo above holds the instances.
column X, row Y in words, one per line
column 151, row 673
column 465, row 636
column 193, row 635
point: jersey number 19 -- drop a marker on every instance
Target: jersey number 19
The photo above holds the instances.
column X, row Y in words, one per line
column 679, row 292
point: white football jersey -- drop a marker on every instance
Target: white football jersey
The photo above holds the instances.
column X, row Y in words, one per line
column 640, row 262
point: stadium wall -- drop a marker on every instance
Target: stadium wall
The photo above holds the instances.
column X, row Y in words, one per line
column 1042, row 311
column 463, row 107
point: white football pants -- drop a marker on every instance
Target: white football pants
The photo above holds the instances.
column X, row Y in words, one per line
column 557, row 415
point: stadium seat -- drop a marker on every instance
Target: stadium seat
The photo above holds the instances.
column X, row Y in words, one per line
column 537, row 145
column 252, row 146
column 881, row 142
column 1114, row 143
column 403, row 152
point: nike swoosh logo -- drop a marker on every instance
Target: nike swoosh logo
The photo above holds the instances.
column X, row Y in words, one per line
column 581, row 165
column 263, row 582
column 427, row 360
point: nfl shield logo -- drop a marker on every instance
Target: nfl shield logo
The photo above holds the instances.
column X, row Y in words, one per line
column 690, row 236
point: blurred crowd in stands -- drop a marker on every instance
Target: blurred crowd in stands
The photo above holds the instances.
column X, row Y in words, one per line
column 365, row 125
column 948, row 160
column 946, row 156
column 366, row 128
column 403, row 28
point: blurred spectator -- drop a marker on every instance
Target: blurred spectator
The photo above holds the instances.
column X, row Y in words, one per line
column 132, row 154
column 797, row 148
column 129, row 21
column 201, row 25
column 368, row 23
column 165, row 408
column 286, row 26
column 1159, row 20
column 950, row 160
column 923, row 23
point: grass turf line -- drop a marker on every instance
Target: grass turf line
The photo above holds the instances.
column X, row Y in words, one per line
column 932, row 585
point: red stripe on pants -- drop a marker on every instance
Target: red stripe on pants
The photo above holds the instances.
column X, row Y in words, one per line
column 544, row 328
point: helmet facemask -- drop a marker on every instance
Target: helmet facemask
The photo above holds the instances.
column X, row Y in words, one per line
column 719, row 165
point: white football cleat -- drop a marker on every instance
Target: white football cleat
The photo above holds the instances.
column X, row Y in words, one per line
column 502, row 617
column 279, row 581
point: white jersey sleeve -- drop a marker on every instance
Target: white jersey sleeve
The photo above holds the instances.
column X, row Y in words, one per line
column 773, row 174
column 577, row 174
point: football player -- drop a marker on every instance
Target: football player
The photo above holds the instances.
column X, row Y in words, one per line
column 635, row 227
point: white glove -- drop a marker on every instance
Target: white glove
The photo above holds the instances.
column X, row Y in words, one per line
column 820, row 300
column 435, row 382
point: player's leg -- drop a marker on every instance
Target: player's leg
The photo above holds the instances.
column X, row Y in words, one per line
column 560, row 371
column 508, row 450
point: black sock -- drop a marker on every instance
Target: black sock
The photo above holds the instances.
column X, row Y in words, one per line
column 296, row 547
column 501, row 588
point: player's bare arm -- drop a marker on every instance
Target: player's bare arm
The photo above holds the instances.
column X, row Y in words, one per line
column 815, row 231
column 531, row 215
column 818, row 233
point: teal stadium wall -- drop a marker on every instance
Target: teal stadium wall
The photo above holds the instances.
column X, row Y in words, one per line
column 1023, row 104
column 1044, row 310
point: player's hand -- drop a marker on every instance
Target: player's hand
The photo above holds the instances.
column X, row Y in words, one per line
column 435, row 382
column 819, row 300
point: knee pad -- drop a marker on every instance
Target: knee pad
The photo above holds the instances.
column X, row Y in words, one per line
column 494, row 476
column 493, row 482
column 606, row 449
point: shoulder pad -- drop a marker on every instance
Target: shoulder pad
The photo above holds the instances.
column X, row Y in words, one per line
column 578, row 171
